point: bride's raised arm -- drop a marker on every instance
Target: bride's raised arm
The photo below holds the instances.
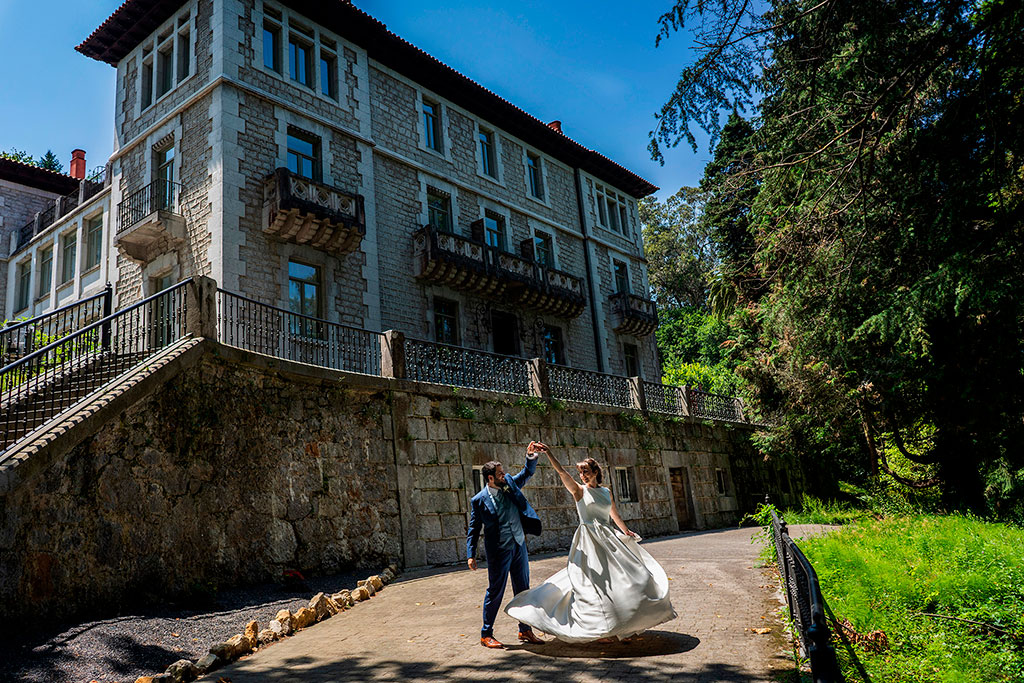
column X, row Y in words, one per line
column 618, row 519
column 567, row 481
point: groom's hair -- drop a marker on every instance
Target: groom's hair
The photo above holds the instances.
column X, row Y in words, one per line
column 489, row 469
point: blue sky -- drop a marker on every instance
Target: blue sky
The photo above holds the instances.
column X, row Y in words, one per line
column 593, row 65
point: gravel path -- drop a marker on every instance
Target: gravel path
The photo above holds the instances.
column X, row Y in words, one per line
column 122, row 648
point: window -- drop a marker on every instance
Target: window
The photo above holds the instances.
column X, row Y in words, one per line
column 439, row 209
column 720, row 479
column 534, row 175
column 494, row 229
column 24, row 282
column 631, row 356
column 300, row 66
column 611, row 209
column 272, row 46
column 166, row 62
column 505, row 331
column 478, row 480
column 625, row 483
column 328, row 74
column 488, row 162
column 554, row 351
column 543, row 251
column 304, row 298
column 93, row 241
column 68, row 250
column 162, row 282
column 446, row 321
column 621, row 273
column 163, row 177
column 45, row 271
column 432, row 125
column 303, row 154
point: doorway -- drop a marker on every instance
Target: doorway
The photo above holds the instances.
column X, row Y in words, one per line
column 680, row 479
column 505, row 329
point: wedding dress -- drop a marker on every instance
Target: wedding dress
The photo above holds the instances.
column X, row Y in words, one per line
column 610, row 587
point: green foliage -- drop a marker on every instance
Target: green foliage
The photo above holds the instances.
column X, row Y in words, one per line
column 532, row 404
column 18, row 155
column 762, row 517
column 886, row 574
column 50, row 162
column 464, row 411
column 680, row 255
column 817, row 511
column 695, row 350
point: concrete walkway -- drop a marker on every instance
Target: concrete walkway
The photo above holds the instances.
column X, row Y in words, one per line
column 426, row 626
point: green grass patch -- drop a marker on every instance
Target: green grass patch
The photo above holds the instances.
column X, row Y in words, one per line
column 816, row 511
column 888, row 574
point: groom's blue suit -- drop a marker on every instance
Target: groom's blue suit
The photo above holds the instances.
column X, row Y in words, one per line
column 504, row 544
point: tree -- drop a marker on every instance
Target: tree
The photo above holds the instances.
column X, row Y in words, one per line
column 50, row 162
column 679, row 252
column 18, row 155
column 878, row 281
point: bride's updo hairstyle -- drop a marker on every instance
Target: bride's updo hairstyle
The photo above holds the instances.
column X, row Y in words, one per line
column 594, row 467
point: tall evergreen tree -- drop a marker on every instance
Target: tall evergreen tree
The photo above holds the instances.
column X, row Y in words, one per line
column 50, row 162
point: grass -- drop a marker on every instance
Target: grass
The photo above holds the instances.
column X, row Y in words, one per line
column 817, row 511
column 889, row 574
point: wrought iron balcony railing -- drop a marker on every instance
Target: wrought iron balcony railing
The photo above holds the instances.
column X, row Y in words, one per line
column 632, row 314
column 159, row 195
column 467, row 264
column 61, row 207
column 303, row 211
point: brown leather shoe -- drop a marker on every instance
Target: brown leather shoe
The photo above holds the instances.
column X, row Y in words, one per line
column 491, row 642
column 530, row 637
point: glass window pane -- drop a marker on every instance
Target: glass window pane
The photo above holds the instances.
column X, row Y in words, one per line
column 301, row 271
column 270, row 47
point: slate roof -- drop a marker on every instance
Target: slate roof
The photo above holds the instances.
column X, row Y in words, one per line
column 39, row 178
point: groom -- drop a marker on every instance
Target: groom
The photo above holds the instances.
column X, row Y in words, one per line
column 503, row 512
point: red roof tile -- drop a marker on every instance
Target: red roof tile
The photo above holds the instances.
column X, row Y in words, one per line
column 39, row 178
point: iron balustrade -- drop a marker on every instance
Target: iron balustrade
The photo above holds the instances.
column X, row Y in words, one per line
column 45, row 383
column 461, row 367
column 806, row 605
column 665, row 399
column 715, row 406
column 587, row 386
column 22, row 337
column 159, row 195
column 61, row 207
column 633, row 314
column 255, row 326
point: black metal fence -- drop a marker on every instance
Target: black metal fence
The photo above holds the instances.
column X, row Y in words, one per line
column 60, row 208
column 806, row 605
column 157, row 196
column 48, row 381
column 457, row 366
column 256, row 326
column 21, row 338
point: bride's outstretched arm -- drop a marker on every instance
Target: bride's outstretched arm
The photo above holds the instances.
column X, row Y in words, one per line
column 618, row 520
column 567, row 481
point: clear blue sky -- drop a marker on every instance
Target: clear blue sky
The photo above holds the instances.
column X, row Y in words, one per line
column 593, row 65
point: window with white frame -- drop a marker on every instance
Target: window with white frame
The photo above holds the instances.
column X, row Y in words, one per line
column 625, row 484
column 432, row 125
column 304, row 299
column 488, row 156
column 166, row 61
column 535, row 175
column 93, row 241
column 68, row 251
column 23, row 282
column 439, row 209
column 300, row 52
column 272, row 39
column 303, row 156
column 612, row 211
column 543, row 249
column 45, row 271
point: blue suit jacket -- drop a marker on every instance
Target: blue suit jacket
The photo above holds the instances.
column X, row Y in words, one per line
column 483, row 515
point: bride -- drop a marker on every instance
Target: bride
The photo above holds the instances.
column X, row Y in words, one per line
column 610, row 587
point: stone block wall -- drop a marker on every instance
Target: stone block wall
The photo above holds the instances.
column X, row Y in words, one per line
column 18, row 206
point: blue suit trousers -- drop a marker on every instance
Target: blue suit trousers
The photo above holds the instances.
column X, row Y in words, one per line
column 514, row 561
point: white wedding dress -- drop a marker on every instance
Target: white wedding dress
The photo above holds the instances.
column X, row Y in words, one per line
column 610, row 587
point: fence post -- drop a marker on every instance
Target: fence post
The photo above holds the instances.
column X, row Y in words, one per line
column 636, row 394
column 539, row 386
column 108, row 308
column 201, row 307
column 392, row 352
column 738, row 403
column 684, row 399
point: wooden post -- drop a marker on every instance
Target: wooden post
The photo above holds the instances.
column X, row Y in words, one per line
column 392, row 355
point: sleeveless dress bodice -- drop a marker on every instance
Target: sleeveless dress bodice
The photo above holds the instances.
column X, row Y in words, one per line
column 610, row 586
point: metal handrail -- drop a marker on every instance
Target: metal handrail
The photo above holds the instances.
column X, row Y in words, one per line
column 49, row 314
column 136, row 205
column 20, row 335
column 484, row 382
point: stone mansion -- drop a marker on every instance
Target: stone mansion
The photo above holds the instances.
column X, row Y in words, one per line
column 302, row 155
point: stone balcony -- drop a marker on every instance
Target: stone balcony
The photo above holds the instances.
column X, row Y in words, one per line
column 303, row 211
column 149, row 220
column 470, row 265
column 632, row 314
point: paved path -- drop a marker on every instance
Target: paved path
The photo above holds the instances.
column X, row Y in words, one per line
column 425, row 627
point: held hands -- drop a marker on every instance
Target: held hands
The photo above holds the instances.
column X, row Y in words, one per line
column 535, row 449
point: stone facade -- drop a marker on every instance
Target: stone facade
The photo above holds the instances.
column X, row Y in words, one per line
column 237, row 467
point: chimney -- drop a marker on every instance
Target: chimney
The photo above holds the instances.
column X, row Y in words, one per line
column 556, row 126
column 78, row 164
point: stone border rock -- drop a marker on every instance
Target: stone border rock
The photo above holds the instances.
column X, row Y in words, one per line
column 286, row 623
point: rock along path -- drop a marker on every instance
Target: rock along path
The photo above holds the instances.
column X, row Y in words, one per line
column 426, row 626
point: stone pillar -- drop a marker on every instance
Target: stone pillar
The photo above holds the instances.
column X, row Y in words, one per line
column 636, row 394
column 201, row 307
column 392, row 355
column 539, row 378
column 684, row 398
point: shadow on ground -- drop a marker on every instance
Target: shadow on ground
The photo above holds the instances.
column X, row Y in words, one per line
column 651, row 644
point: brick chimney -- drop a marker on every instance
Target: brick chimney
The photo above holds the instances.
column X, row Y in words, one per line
column 78, row 164
column 556, row 126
